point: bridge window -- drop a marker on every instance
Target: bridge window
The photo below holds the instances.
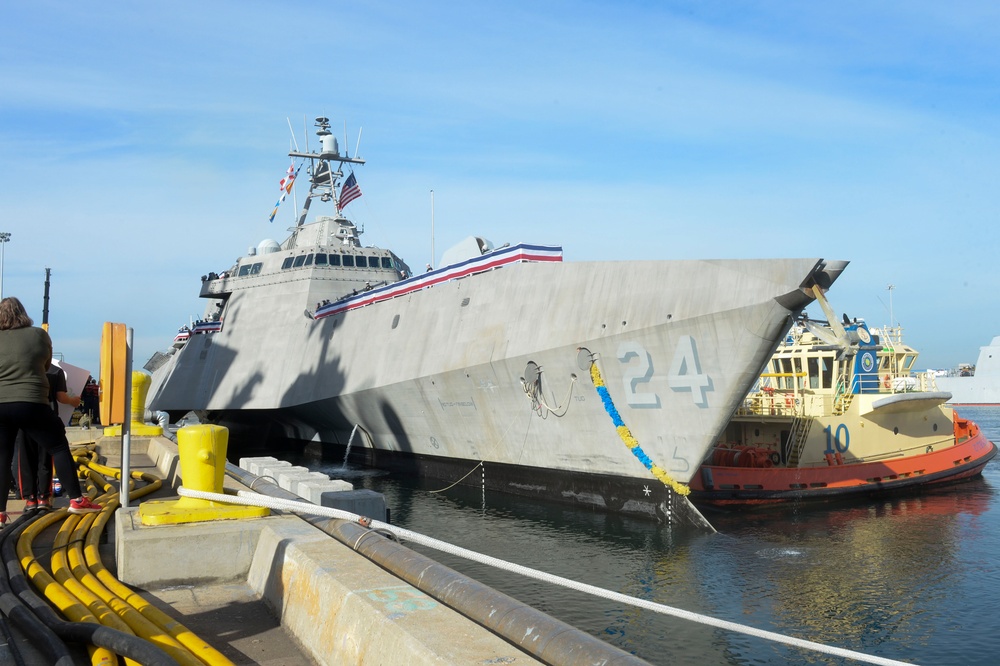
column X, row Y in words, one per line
column 334, row 259
column 287, row 263
column 386, row 262
column 255, row 269
column 321, row 260
column 309, row 260
column 244, row 270
column 299, row 260
column 349, row 260
column 362, row 261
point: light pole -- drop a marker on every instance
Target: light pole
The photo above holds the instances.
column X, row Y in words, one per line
column 890, row 288
column 4, row 237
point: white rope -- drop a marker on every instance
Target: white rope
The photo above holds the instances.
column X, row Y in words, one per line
column 254, row 499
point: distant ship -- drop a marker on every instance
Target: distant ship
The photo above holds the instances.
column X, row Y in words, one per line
column 600, row 383
column 978, row 384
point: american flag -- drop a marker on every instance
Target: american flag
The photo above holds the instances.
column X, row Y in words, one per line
column 349, row 191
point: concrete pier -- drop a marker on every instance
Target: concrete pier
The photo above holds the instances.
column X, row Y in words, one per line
column 278, row 590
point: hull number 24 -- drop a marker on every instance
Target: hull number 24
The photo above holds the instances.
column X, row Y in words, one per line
column 684, row 373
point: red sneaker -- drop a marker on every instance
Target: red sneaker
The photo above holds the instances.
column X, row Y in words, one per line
column 30, row 504
column 84, row 505
column 44, row 504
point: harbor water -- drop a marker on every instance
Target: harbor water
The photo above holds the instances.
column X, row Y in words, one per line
column 913, row 578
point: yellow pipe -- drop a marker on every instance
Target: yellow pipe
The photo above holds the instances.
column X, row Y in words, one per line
column 202, row 650
column 82, row 570
column 68, row 605
column 124, row 613
column 60, row 570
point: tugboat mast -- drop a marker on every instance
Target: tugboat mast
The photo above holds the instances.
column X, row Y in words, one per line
column 324, row 178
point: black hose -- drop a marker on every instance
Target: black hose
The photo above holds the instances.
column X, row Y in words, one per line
column 15, row 651
column 41, row 636
column 85, row 633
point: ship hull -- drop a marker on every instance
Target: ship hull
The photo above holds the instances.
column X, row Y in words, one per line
column 496, row 367
column 733, row 487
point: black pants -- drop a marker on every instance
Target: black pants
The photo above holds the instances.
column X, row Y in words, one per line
column 33, row 470
column 40, row 423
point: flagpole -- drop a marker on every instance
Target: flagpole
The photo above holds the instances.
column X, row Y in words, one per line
column 432, row 228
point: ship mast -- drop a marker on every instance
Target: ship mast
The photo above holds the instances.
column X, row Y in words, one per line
column 324, row 178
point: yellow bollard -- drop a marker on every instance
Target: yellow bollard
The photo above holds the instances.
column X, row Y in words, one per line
column 202, row 452
column 140, row 387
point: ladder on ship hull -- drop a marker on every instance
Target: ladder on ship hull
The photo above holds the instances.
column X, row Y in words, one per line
column 796, row 441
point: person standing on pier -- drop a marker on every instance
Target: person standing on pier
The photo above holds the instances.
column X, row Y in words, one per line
column 34, row 466
column 25, row 355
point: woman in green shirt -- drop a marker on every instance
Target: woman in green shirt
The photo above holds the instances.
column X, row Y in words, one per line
column 25, row 355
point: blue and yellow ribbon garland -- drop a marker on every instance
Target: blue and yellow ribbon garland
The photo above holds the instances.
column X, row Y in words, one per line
column 626, row 435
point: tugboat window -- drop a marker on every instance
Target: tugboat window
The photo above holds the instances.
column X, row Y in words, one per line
column 321, row 260
column 299, row 260
column 348, row 260
column 334, row 259
column 386, row 262
column 309, row 260
column 287, row 263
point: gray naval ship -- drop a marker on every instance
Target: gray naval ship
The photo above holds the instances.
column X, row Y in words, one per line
column 602, row 383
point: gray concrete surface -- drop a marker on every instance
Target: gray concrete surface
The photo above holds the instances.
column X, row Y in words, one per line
column 288, row 593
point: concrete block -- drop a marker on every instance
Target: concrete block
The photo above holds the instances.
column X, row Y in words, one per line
column 255, row 464
column 313, row 490
column 362, row 502
column 190, row 553
column 291, row 480
column 270, row 469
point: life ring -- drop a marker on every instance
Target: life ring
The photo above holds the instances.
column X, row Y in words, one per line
column 886, row 381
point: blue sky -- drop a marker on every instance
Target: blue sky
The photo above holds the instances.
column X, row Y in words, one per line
column 142, row 144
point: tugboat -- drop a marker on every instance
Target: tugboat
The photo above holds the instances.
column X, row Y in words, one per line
column 839, row 413
column 506, row 360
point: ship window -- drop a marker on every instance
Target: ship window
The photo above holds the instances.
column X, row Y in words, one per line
column 299, row 260
column 813, row 373
column 386, row 262
column 348, row 260
column 334, row 259
column 287, row 263
column 373, row 262
column 362, row 261
column 255, row 269
column 827, row 374
column 309, row 260
column 321, row 260
column 244, row 270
